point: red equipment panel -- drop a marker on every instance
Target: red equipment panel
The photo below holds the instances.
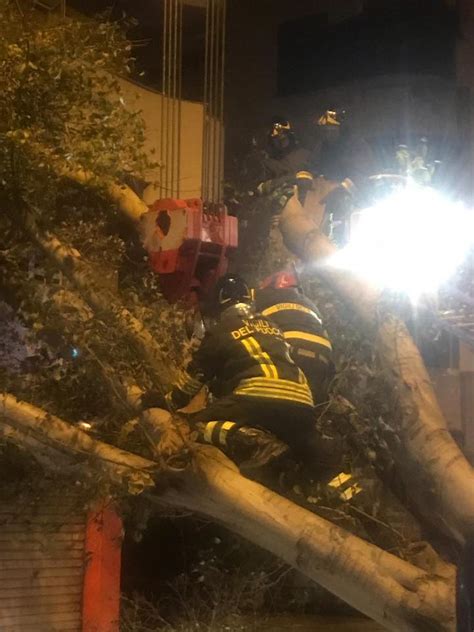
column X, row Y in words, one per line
column 188, row 247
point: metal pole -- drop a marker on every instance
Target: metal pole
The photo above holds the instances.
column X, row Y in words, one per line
column 174, row 104
column 180, row 81
column 211, row 101
column 221, row 105
column 168, row 91
column 215, row 55
column 163, row 91
column 222, row 127
column 205, row 126
column 170, row 99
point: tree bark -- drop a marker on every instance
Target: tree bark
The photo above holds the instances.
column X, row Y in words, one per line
column 395, row 593
column 434, row 470
column 385, row 588
column 128, row 202
column 39, row 427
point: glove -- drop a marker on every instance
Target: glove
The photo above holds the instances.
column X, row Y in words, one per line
column 153, row 399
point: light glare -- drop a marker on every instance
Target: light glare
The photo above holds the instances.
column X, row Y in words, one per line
column 411, row 241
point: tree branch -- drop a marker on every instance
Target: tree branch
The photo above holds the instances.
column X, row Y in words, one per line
column 434, row 470
column 42, row 428
column 393, row 592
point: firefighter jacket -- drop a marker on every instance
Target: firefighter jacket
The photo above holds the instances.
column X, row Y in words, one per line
column 247, row 357
column 297, row 317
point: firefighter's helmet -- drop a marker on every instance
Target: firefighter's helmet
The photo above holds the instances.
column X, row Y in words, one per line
column 331, row 118
column 280, row 127
column 231, row 290
column 281, row 138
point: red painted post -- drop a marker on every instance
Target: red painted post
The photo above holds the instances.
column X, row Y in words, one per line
column 101, row 595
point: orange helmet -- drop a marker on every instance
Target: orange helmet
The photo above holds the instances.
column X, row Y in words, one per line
column 281, row 280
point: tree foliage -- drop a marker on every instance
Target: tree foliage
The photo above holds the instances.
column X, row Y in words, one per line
column 61, row 101
column 61, row 111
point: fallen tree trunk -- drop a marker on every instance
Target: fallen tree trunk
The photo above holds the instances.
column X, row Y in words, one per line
column 42, row 428
column 434, row 470
column 399, row 595
column 385, row 588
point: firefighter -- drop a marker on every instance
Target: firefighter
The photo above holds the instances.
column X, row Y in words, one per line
column 340, row 151
column 281, row 299
column 263, row 396
column 285, row 154
column 284, row 160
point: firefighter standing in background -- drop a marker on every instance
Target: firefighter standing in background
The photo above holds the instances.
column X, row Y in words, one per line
column 340, row 151
column 281, row 300
column 285, row 164
column 285, row 155
column 261, row 390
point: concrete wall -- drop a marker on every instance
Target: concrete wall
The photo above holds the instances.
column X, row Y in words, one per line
column 181, row 171
column 189, row 166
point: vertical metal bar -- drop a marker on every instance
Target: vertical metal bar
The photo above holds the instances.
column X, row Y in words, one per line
column 211, row 101
column 205, row 126
column 215, row 157
column 168, row 91
column 163, row 90
column 172, row 102
column 212, row 98
column 221, row 104
column 180, row 81
column 175, row 89
column 172, row 69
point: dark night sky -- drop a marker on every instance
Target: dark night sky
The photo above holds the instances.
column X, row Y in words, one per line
column 415, row 39
column 148, row 26
column 388, row 38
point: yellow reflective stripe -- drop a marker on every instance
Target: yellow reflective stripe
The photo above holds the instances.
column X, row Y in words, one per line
column 255, row 350
column 290, row 392
column 273, row 388
column 287, row 307
column 339, row 480
column 280, row 383
column 188, row 384
column 208, row 431
column 185, row 377
column 304, row 174
column 251, row 351
column 267, row 360
column 283, row 395
column 226, row 426
column 348, row 493
column 302, row 335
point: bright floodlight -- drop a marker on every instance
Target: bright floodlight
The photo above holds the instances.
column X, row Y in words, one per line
column 411, row 241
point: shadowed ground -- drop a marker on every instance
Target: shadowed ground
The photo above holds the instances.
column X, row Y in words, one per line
column 318, row 623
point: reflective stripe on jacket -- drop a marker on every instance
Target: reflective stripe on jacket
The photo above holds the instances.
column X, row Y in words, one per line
column 245, row 356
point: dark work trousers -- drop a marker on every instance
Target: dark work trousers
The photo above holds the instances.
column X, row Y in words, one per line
column 291, row 423
column 317, row 369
